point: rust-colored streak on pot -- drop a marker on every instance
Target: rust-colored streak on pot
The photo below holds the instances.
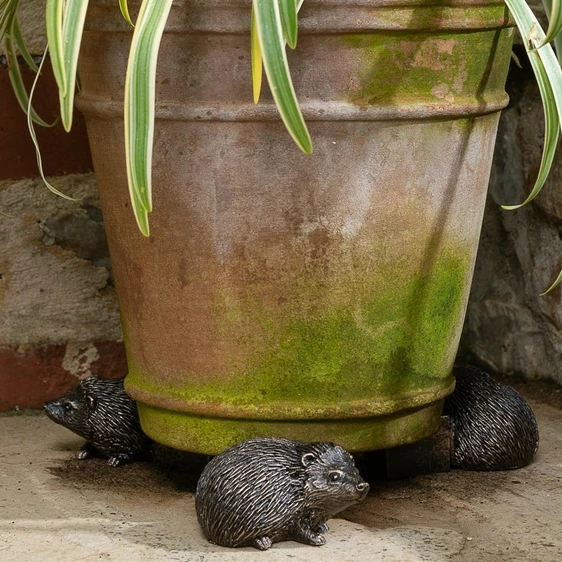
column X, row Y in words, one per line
column 280, row 289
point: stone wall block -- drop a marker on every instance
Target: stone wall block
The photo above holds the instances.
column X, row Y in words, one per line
column 509, row 326
column 56, row 286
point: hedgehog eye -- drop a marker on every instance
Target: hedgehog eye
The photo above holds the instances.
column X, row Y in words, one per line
column 67, row 406
column 334, row 477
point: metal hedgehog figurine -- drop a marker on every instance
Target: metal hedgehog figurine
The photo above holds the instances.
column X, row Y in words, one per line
column 493, row 426
column 101, row 412
column 268, row 490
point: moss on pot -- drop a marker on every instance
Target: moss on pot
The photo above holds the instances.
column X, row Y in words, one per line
column 374, row 351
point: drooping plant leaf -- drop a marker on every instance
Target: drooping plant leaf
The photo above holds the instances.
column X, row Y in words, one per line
column 272, row 43
column 8, row 10
column 288, row 11
column 54, row 12
column 124, row 7
column 257, row 63
column 10, row 32
column 555, row 284
column 139, row 105
column 549, row 77
column 551, row 128
column 553, row 10
column 547, row 70
column 34, row 136
column 18, row 86
column 15, row 32
column 73, row 26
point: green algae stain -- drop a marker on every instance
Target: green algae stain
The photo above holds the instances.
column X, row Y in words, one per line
column 393, row 337
column 383, row 345
column 212, row 435
column 418, row 66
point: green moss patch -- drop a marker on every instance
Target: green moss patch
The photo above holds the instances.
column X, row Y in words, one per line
column 430, row 66
column 386, row 336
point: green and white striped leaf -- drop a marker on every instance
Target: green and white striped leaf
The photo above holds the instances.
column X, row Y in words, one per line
column 272, row 43
column 20, row 44
column 17, row 82
column 557, row 282
column 257, row 63
column 124, row 7
column 54, row 23
column 10, row 31
column 288, row 11
column 73, row 26
column 140, row 93
column 549, row 78
column 551, row 128
column 8, row 10
column 553, row 10
column 34, row 136
column 551, row 131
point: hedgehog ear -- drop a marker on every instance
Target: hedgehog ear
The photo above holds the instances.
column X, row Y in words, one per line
column 307, row 459
column 91, row 401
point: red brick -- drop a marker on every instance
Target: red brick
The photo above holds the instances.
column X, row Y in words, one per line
column 62, row 153
column 112, row 362
column 28, row 379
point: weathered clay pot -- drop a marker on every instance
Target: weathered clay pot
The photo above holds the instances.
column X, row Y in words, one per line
column 311, row 297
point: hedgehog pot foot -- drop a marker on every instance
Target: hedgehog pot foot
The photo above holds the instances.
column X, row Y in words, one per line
column 101, row 412
column 270, row 490
column 493, row 427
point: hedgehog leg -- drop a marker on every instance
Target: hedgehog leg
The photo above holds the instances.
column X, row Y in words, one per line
column 262, row 543
column 119, row 459
column 307, row 536
column 87, row 452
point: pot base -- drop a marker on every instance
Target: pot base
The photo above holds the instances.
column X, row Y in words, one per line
column 211, row 436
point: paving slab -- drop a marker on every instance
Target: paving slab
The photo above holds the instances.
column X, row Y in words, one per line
column 56, row 508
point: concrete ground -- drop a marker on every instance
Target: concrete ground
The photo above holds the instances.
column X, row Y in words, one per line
column 55, row 508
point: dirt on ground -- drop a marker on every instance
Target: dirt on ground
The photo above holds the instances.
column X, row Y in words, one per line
column 542, row 391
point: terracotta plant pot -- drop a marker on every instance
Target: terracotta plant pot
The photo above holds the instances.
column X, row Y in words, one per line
column 313, row 297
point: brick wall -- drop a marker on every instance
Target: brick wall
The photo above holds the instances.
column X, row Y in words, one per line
column 59, row 318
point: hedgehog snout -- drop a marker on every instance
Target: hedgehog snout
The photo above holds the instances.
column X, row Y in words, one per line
column 363, row 489
column 54, row 410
